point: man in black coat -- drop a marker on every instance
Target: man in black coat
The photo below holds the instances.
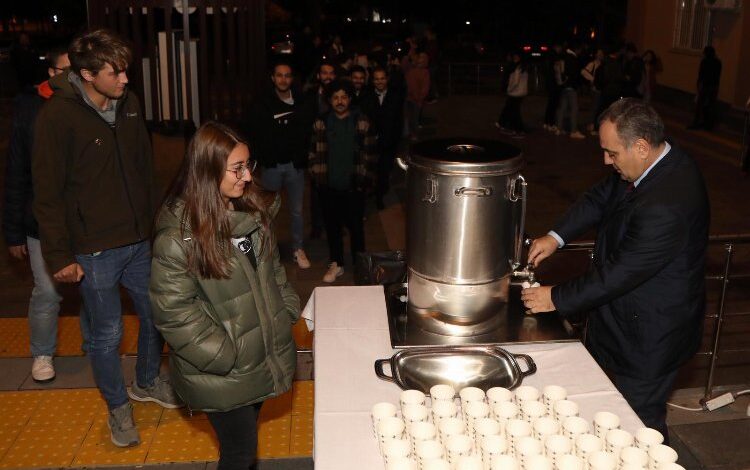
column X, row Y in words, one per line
column 385, row 108
column 709, row 75
column 646, row 283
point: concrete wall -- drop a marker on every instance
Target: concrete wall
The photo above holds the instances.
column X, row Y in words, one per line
column 650, row 25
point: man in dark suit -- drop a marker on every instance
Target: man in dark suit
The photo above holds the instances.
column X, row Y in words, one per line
column 646, row 283
column 385, row 108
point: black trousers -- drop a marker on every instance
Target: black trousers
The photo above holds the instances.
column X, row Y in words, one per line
column 648, row 398
column 510, row 117
column 343, row 208
column 553, row 99
column 237, row 431
column 385, row 166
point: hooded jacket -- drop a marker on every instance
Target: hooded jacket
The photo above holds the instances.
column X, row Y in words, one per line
column 92, row 182
column 231, row 339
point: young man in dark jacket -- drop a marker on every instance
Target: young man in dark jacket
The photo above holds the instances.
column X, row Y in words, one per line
column 278, row 127
column 92, row 174
column 21, row 230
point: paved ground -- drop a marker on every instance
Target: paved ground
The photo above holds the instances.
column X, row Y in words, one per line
column 558, row 170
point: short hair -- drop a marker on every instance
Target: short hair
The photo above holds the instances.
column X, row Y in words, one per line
column 94, row 50
column 338, row 85
column 54, row 54
column 380, row 68
column 634, row 119
column 357, row 68
column 281, row 62
column 329, row 64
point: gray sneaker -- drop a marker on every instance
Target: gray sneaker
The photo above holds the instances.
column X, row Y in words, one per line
column 160, row 392
column 122, row 427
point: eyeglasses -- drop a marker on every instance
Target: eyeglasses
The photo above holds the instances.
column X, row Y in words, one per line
column 248, row 166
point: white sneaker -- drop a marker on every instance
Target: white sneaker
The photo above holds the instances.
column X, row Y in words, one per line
column 301, row 258
column 577, row 135
column 334, row 272
column 42, row 370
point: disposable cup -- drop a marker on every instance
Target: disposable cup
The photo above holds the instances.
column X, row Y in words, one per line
column 380, row 411
column 442, row 392
column 545, row 426
column 564, row 409
column 526, row 393
column 527, row 447
column 633, row 456
column 570, row 462
column 442, row 410
column 422, row 431
column 574, row 426
column 402, row 463
column 484, row 427
column 497, row 395
column 587, row 444
column 660, row 454
column 492, row 445
column 515, row 430
column 469, row 462
column 503, row 412
column 531, row 410
column 538, row 462
column 450, row 427
column 647, row 437
column 474, row 411
column 415, row 414
column 388, row 429
column 616, row 440
column 470, row 394
column 552, row 394
column 555, row 446
column 396, row 449
column 429, row 450
column 605, row 421
column 504, row 462
column 457, row 446
column 602, row 460
column 412, row 397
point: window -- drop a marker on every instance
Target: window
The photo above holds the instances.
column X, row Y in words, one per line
column 691, row 25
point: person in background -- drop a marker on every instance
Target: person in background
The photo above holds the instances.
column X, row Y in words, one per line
column 343, row 163
column 651, row 67
column 432, row 48
column 385, row 107
column 510, row 119
column 219, row 293
column 589, row 76
column 92, row 171
column 646, row 284
column 553, row 79
column 278, row 127
column 608, row 79
column 570, row 78
column 417, row 86
column 709, row 75
column 632, row 68
column 358, row 76
column 21, row 229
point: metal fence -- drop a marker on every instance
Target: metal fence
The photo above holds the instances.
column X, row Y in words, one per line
column 729, row 243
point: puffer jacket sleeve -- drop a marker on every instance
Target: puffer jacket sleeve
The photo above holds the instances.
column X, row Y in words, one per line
column 181, row 316
column 291, row 299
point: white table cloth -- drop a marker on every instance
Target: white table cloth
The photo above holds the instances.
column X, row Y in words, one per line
column 351, row 332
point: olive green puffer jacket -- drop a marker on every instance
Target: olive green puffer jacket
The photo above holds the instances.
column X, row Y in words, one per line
column 231, row 339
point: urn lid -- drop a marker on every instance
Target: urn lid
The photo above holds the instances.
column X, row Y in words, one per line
column 459, row 155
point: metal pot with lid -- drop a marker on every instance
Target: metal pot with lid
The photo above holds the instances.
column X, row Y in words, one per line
column 466, row 204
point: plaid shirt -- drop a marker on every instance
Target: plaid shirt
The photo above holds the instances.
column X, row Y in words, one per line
column 366, row 159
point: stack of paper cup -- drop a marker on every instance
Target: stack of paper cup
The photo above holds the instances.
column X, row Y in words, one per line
column 538, row 462
column 503, row 412
column 450, row 427
column 564, row 409
column 421, row 431
column 586, row 444
column 545, row 426
column 470, row 395
column 411, row 397
column 504, row 462
column 442, row 410
column 388, row 429
column 415, row 414
column 552, row 394
column 605, row 421
column 380, row 411
column 457, row 446
column 401, row 464
column 556, row 446
column 616, row 440
column 496, row 395
column 428, row 450
column 442, row 392
column 647, row 437
column 514, row 431
column 570, row 462
column 469, row 462
column 474, row 411
column 525, row 393
column 659, row 455
column 633, row 457
column 396, row 449
column 436, row 464
column 484, row 427
column 602, row 460
column 531, row 410
column 574, row 426
column 525, row 449
column 492, row 446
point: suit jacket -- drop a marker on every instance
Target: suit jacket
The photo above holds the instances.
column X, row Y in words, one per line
column 646, row 284
column 387, row 118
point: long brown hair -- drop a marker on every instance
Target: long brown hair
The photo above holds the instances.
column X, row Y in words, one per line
column 205, row 213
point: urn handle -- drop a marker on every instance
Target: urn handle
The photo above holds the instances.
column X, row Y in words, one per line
column 431, row 190
column 479, row 192
column 517, row 192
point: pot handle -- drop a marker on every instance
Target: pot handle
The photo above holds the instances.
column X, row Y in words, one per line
column 530, row 364
column 381, row 374
column 515, row 195
column 401, row 161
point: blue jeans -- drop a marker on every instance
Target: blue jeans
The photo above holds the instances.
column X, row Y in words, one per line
column 100, row 288
column 285, row 175
column 568, row 107
column 44, row 306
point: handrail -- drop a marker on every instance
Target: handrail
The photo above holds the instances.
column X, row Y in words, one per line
column 729, row 241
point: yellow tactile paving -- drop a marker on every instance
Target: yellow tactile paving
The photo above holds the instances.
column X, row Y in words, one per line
column 183, row 441
column 14, row 337
column 97, row 448
column 63, row 428
column 48, row 446
column 69, row 336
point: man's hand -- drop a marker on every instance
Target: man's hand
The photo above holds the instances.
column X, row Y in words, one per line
column 538, row 299
column 541, row 248
column 18, row 251
column 70, row 273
